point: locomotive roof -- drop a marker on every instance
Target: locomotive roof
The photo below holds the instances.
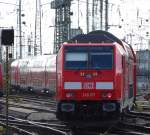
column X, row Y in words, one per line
column 98, row 36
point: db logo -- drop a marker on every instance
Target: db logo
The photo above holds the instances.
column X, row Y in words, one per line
column 88, row 85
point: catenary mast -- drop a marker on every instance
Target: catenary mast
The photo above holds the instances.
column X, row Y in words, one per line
column 37, row 34
column 62, row 22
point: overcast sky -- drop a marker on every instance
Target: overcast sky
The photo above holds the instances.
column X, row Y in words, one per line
column 128, row 10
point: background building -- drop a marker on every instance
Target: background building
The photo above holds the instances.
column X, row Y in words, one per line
column 143, row 69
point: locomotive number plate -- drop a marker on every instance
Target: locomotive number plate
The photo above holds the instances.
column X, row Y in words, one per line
column 88, row 94
column 88, row 85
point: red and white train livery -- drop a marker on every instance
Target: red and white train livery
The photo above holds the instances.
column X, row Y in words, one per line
column 36, row 74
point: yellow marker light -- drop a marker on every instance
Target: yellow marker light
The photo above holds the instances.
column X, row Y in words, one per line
column 95, row 74
column 82, row 74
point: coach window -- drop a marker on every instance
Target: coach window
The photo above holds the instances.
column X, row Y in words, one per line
column 23, row 66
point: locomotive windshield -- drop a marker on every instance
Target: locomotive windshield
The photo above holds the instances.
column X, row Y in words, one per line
column 88, row 57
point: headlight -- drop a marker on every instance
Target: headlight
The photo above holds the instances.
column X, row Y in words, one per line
column 67, row 107
column 107, row 95
column 109, row 107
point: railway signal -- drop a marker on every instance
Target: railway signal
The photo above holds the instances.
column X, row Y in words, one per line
column 7, row 39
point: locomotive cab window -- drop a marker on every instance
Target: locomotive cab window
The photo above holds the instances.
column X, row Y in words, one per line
column 101, row 60
column 76, row 60
column 88, row 57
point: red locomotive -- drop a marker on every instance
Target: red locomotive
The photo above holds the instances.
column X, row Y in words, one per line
column 36, row 74
column 96, row 77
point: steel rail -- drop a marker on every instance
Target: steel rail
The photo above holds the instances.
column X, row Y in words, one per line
column 18, row 130
column 55, row 129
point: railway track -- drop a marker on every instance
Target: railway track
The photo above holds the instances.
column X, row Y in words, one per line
column 30, row 107
column 38, row 104
column 134, row 123
column 131, row 126
column 26, row 127
column 135, row 114
column 33, row 98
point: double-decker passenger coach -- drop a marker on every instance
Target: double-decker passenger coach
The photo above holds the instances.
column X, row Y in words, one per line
column 95, row 77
